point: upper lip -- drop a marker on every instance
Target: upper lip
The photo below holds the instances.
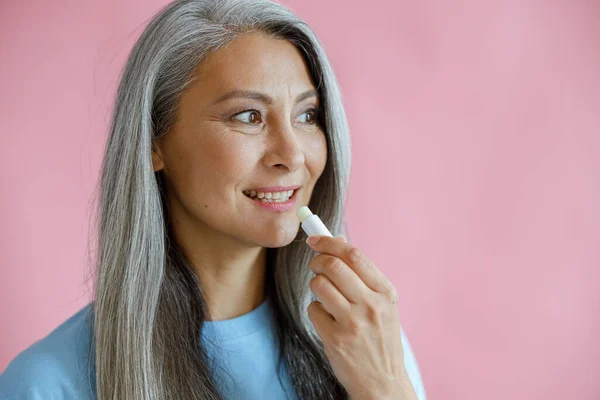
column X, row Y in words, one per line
column 274, row 189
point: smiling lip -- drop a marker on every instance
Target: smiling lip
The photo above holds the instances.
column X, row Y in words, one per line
column 273, row 189
column 276, row 206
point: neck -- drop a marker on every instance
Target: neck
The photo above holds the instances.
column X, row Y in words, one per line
column 231, row 274
column 233, row 284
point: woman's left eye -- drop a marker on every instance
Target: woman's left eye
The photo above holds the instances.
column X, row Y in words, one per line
column 249, row 117
column 310, row 116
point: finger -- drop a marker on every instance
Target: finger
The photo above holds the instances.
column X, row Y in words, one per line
column 341, row 275
column 330, row 296
column 355, row 259
column 320, row 318
column 341, row 237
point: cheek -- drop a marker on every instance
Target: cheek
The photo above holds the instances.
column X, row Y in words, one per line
column 231, row 158
column 221, row 164
column 316, row 155
column 207, row 171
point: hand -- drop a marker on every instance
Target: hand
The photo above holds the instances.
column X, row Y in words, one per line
column 358, row 322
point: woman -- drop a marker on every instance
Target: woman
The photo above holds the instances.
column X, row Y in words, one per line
column 228, row 118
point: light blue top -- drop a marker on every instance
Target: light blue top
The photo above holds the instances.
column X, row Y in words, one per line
column 242, row 350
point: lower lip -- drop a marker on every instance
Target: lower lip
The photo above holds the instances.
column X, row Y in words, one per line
column 275, row 206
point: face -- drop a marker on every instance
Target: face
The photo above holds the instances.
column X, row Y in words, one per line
column 248, row 122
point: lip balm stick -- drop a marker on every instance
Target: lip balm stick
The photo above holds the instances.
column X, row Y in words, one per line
column 311, row 223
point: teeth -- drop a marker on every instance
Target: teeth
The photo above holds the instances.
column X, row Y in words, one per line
column 270, row 196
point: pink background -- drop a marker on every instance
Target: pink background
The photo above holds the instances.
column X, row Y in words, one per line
column 475, row 184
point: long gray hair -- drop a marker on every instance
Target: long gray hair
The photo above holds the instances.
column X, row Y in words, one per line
column 149, row 308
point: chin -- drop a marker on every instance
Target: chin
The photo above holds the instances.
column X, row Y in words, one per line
column 276, row 238
column 276, row 245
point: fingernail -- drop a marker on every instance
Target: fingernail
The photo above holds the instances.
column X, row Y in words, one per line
column 343, row 237
column 312, row 240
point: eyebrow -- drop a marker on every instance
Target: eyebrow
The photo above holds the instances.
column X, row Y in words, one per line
column 248, row 94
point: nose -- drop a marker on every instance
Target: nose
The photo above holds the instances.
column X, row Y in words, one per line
column 285, row 150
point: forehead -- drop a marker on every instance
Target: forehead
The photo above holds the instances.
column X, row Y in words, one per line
column 254, row 62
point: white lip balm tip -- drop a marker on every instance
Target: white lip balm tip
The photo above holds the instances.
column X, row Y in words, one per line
column 311, row 223
column 303, row 213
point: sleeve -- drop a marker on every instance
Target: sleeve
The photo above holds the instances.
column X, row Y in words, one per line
column 412, row 368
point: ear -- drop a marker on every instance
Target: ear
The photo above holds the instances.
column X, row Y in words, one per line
column 157, row 158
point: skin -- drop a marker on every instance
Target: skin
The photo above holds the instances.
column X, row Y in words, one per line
column 215, row 151
column 357, row 320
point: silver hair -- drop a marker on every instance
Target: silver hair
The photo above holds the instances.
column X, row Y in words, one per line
column 148, row 304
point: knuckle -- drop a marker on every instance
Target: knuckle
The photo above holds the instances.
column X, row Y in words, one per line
column 375, row 313
column 334, row 266
column 315, row 261
column 317, row 282
column 355, row 255
column 380, row 283
column 392, row 295
column 354, row 327
column 383, row 285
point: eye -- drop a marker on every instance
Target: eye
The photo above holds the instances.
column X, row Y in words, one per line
column 309, row 116
column 249, row 117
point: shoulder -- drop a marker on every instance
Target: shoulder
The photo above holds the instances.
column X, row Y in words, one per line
column 412, row 368
column 56, row 366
